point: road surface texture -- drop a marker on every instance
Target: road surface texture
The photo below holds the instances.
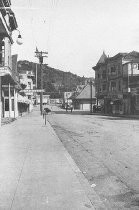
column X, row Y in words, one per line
column 106, row 149
column 36, row 172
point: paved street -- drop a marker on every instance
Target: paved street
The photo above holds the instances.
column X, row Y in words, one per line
column 106, row 149
column 37, row 173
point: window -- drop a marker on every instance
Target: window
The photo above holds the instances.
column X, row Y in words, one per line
column 6, row 104
column 12, row 104
column 113, row 70
column 29, row 85
column 104, row 74
column 98, row 75
column 119, row 85
column 113, row 86
column 134, row 66
column 104, row 87
column 138, row 66
column 119, row 67
column 2, row 53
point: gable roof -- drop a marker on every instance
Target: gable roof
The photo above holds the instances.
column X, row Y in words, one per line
column 102, row 58
column 86, row 92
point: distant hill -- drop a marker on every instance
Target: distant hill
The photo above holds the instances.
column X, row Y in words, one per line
column 55, row 81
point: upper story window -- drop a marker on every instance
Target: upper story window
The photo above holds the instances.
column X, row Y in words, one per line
column 113, row 70
column 113, row 86
column 103, row 74
column 2, row 51
column 119, row 85
column 104, row 87
column 119, row 67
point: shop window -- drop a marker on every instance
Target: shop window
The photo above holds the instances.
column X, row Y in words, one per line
column 6, row 104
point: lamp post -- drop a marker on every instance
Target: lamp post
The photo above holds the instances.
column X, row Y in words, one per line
column 40, row 55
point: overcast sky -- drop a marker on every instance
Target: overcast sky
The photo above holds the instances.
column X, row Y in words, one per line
column 75, row 32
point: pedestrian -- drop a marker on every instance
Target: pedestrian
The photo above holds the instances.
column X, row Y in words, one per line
column 71, row 107
column 94, row 108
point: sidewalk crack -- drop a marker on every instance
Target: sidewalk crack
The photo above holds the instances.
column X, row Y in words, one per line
column 19, row 178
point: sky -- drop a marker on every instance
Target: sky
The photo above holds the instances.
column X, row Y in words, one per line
column 75, row 32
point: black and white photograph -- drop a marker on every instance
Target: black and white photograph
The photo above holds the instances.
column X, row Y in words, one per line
column 69, row 104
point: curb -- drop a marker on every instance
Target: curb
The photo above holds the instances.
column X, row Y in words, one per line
column 90, row 193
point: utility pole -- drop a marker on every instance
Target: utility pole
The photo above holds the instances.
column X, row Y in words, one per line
column 36, row 75
column 40, row 55
column 90, row 96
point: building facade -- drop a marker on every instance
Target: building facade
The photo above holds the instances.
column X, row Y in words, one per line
column 27, row 80
column 85, row 99
column 116, row 82
column 9, row 83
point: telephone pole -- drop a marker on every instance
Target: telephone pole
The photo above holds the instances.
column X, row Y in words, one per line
column 40, row 55
column 91, row 96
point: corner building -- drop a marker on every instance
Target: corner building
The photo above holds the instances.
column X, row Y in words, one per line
column 116, row 82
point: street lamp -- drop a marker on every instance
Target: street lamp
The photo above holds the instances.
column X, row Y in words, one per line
column 19, row 39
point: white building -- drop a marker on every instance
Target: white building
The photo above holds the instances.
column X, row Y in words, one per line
column 9, row 83
column 26, row 80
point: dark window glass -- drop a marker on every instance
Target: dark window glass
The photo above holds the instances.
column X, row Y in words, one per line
column 113, row 69
column 104, row 87
column 119, row 85
column 12, row 104
column 6, row 104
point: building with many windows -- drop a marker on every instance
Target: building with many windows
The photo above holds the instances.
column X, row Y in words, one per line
column 117, row 83
column 27, row 78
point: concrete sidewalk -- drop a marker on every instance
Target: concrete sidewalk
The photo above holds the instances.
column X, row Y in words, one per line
column 37, row 173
